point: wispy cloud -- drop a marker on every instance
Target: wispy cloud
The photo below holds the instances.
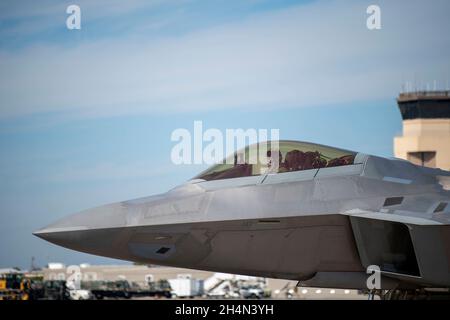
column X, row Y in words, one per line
column 106, row 171
column 306, row 55
column 28, row 17
column 98, row 172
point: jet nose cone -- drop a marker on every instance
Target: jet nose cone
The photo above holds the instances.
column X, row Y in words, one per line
column 108, row 216
column 93, row 231
column 53, row 235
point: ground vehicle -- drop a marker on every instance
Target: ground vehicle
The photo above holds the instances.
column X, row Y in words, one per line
column 108, row 289
column 20, row 286
column 14, row 286
column 251, row 292
column 160, row 288
column 55, row 290
column 186, row 287
column 80, row 294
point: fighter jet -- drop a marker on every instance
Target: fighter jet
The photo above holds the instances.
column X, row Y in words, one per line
column 322, row 218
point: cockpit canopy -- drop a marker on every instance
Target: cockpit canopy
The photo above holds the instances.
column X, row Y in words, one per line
column 260, row 158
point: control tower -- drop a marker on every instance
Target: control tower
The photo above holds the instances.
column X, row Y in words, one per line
column 426, row 128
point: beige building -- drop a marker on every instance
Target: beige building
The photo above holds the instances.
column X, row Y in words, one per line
column 426, row 129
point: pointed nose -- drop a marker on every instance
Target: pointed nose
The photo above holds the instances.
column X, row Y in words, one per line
column 94, row 231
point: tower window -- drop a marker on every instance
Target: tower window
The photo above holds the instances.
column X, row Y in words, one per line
column 425, row 158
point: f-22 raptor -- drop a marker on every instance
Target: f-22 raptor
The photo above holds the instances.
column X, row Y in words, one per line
column 322, row 218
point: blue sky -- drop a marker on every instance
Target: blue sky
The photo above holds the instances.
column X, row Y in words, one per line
column 86, row 115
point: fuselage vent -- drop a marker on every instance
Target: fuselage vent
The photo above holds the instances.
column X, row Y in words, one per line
column 392, row 201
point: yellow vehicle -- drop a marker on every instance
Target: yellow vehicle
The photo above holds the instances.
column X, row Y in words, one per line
column 2, row 284
column 14, row 286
